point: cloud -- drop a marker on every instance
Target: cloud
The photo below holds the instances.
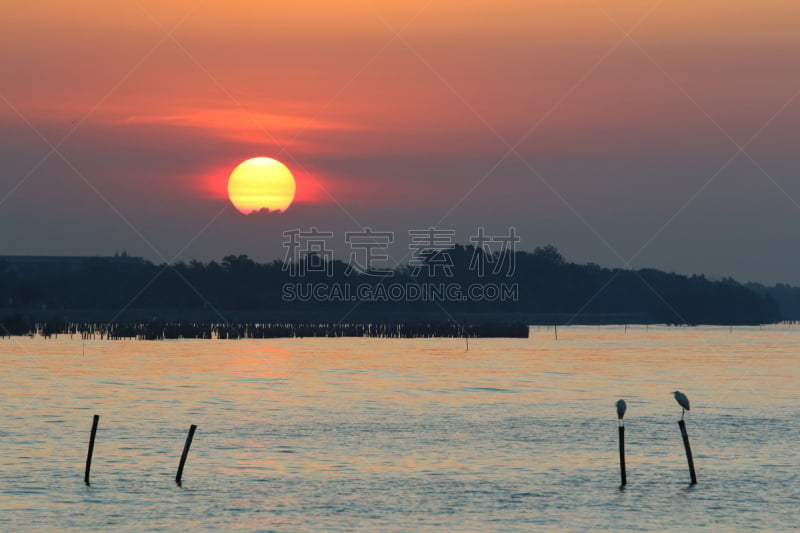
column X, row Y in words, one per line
column 244, row 125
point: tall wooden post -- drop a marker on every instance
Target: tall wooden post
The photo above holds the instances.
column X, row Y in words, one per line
column 95, row 420
column 622, row 472
column 688, row 447
column 185, row 453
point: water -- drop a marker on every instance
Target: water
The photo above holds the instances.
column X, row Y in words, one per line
column 403, row 435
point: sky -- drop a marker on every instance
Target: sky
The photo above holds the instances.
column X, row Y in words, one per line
column 627, row 133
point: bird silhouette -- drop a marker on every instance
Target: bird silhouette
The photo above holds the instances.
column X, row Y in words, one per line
column 683, row 401
column 621, row 407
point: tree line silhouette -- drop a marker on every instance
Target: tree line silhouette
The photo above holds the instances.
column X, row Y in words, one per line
column 785, row 296
column 549, row 289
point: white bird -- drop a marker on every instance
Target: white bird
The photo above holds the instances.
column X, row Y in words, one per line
column 683, row 401
column 621, row 407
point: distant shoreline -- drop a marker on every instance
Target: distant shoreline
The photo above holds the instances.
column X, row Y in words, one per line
column 542, row 288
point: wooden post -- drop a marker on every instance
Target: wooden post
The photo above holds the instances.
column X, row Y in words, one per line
column 95, row 420
column 622, row 456
column 688, row 451
column 185, row 453
column 555, row 329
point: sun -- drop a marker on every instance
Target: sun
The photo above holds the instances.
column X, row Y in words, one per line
column 261, row 183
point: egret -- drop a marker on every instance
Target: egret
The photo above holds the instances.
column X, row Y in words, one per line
column 683, row 401
column 621, row 407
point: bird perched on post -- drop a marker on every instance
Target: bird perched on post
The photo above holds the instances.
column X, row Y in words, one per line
column 683, row 401
column 621, row 407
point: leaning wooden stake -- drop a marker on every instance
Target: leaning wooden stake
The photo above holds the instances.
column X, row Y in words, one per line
column 688, row 451
column 185, row 453
column 95, row 420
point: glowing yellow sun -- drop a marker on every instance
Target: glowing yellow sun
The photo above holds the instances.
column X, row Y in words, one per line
column 261, row 183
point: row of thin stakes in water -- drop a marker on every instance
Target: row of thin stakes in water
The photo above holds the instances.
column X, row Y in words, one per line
column 680, row 397
column 683, row 401
column 178, row 476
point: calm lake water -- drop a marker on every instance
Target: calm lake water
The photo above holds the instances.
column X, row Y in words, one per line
column 404, row 435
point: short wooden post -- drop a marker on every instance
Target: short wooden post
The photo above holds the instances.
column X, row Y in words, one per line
column 95, row 420
column 622, row 456
column 185, row 453
column 686, row 445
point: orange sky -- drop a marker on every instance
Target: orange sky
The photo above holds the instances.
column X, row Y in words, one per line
column 307, row 67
